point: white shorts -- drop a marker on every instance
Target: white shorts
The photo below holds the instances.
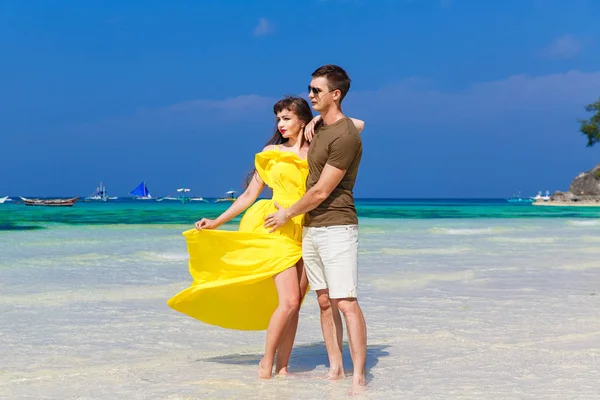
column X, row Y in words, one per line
column 330, row 255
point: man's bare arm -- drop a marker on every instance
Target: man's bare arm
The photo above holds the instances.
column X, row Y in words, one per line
column 329, row 179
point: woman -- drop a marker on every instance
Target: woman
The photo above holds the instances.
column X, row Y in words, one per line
column 250, row 279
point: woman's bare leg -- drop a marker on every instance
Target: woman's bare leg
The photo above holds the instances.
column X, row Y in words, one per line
column 287, row 285
column 284, row 350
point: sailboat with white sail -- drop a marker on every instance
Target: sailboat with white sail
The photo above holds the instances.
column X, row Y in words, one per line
column 3, row 199
column 100, row 194
column 141, row 192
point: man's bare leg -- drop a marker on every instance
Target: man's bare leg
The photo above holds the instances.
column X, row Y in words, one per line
column 331, row 326
column 286, row 283
column 284, row 350
column 357, row 337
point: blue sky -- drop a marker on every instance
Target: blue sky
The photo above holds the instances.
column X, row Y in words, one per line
column 461, row 98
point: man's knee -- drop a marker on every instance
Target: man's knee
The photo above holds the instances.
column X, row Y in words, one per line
column 323, row 300
column 348, row 306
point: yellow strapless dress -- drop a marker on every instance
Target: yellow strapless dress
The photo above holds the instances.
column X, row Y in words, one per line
column 232, row 270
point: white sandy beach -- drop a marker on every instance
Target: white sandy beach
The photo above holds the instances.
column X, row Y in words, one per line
column 456, row 309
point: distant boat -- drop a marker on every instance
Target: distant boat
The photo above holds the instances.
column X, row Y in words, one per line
column 182, row 198
column 518, row 199
column 230, row 196
column 183, row 191
column 3, row 199
column 100, row 194
column 141, row 192
column 49, row 202
column 168, row 197
column 539, row 196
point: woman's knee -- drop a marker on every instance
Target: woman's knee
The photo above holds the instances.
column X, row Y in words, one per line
column 290, row 303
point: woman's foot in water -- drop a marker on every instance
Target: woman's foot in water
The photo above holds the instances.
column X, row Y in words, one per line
column 265, row 370
column 359, row 384
column 335, row 374
column 283, row 372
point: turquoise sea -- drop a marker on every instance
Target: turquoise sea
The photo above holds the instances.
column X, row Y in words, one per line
column 17, row 217
column 464, row 299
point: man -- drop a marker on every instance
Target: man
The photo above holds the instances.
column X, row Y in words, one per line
column 330, row 244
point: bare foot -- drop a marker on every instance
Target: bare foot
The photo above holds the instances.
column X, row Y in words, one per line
column 359, row 384
column 335, row 374
column 284, row 372
column 265, row 370
column 359, row 380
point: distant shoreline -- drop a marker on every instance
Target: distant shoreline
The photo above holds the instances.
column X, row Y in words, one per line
column 498, row 199
column 565, row 204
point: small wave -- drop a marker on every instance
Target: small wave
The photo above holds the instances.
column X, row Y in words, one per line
column 465, row 231
column 448, row 250
column 506, row 239
column 83, row 259
column 107, row 293
column 581, row 266
column 415, row 281
column 86, row 257
column 590, row 238
column 10, row 227
column 593, row 222
column 153, row 256
column 66, row 242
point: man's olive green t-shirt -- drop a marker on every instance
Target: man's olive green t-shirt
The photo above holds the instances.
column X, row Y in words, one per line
column 338, row 145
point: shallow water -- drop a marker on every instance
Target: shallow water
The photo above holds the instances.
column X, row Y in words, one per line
column 457, row 308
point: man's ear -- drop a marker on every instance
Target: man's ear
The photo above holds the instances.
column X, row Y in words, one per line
column 336, row 94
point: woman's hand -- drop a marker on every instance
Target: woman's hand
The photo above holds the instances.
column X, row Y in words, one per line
column 206, row 223
column 309, row 129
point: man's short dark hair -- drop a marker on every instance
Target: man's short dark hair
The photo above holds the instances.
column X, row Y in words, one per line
column 337, row 78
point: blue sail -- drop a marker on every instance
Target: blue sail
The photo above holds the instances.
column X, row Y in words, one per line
column 141, row 190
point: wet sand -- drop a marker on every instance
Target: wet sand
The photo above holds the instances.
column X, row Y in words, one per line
column 456, row 309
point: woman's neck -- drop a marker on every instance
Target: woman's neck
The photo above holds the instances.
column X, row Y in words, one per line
column 293, row 142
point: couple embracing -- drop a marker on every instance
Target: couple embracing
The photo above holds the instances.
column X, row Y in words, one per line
column 256, row 278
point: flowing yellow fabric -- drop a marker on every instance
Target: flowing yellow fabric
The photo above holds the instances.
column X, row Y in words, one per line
column 232, row 271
